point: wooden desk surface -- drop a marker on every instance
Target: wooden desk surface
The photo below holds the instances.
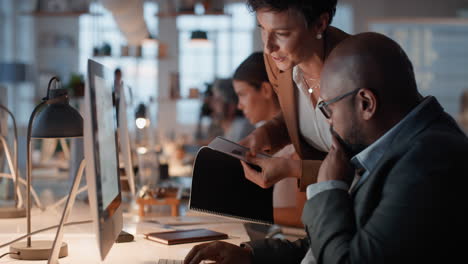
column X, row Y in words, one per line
column 83, row 245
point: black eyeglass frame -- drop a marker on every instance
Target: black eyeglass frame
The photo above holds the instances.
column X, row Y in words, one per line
column 323, row 105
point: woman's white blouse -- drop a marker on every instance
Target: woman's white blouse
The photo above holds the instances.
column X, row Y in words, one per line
column 313, row 125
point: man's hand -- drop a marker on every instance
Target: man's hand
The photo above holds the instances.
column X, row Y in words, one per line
column 337, row 165
column 273, row 170
column 257, row 142
column 219, row 251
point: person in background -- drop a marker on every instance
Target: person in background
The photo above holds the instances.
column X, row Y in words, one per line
column 297, row 39
column 207, row 128
column 117, row 75
column 259, row 103
column 463, row 116
column 257, row 99
column 224, row 105
column 391, row 189
column 117, row 89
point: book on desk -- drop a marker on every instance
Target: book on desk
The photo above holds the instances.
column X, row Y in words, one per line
column 219, row 186
column 185, row 236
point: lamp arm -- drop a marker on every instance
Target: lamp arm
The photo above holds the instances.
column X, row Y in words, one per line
column 54, row 254
column 29, row 169
column 15, row 147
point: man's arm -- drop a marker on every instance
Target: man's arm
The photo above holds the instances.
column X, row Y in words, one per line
column 400, row 212
column 277, row 251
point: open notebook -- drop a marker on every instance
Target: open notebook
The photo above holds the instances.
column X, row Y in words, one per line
column 219, row 186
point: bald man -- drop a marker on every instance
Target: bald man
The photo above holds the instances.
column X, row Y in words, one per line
column 406, row 203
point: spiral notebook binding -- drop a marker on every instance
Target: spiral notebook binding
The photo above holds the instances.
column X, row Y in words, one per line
column 244, row 219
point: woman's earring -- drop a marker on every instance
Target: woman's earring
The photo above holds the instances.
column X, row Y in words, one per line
column 319, row 36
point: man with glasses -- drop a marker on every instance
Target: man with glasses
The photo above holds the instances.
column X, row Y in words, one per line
column 405, row 154
column 407, row 203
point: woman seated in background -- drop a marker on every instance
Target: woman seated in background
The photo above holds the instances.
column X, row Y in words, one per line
column 259, row 103
column 225, row 113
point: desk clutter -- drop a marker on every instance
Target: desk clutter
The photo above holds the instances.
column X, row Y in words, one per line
column 170, row 196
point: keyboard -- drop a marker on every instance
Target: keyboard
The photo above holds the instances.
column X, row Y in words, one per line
column 170, row 261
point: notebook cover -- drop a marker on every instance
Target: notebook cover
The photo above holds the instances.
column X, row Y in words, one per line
column 185, row 236
column 219, row 187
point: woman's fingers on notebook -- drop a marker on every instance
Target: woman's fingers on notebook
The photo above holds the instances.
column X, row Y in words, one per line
column 260, row 161
column 255, row 176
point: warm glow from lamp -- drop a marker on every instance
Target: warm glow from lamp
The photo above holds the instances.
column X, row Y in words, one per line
column 142, row 150
column 141, row 122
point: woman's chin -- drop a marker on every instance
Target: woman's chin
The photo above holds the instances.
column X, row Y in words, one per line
column 284, row 65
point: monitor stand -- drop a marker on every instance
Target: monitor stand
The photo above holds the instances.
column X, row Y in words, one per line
column 124, row 237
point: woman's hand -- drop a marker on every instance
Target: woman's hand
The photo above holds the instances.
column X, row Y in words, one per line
column 257, row 141
column 273, row 170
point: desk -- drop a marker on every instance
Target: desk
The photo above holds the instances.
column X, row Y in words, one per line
column 82, row 244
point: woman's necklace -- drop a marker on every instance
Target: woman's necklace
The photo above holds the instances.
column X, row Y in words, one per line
column 315, row 81
column 314, row 86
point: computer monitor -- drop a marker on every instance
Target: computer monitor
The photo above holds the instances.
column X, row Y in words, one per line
column 124, row 136
column 102, row 165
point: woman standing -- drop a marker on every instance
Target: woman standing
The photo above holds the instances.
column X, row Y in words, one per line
column 297, row 39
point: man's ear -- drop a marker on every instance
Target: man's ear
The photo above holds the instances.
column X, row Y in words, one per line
column 367, row 103
column 266, row 90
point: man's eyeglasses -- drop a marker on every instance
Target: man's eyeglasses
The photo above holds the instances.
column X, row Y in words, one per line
column 323, row 105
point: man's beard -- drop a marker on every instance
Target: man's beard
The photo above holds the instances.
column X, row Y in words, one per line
column 351, row 149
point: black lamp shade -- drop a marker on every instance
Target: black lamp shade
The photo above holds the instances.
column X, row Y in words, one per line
column 198, row 35
column 57, row 120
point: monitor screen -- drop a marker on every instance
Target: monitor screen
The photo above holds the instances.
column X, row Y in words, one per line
column 105, row 129
column 102, row 165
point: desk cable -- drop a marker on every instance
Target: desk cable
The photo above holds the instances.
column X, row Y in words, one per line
column 9, row 253
column 40, row 231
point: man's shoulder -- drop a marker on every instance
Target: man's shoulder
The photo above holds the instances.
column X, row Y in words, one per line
column 442, row 135
column 441, row 146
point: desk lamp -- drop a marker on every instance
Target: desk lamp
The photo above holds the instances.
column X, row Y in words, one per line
column 140, row 117
column 55, row 119
column 18, row 210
